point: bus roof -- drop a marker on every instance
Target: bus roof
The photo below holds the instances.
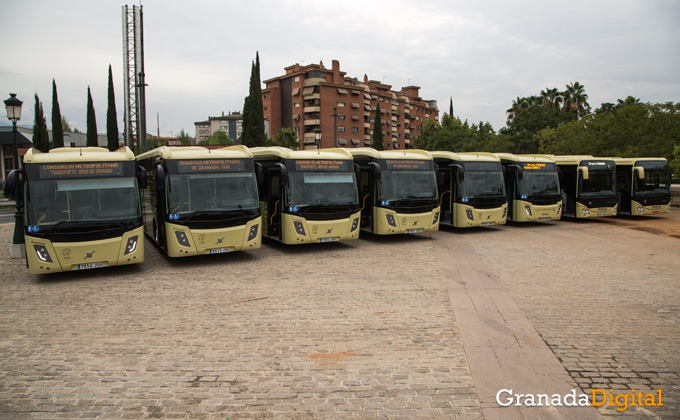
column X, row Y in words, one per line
column 278, row 152
column 197, row 152
column 78, row 154
column 466, row 157
column 390, row 154
column 525, row 158
column 633, row 161
column 575, row 159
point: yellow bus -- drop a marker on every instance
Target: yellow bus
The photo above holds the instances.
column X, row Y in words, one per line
column 643, row 186
column 307, row 196
column 201, row 201
column 81, row 208
column 398, row 191
column 471, row 189
column 532, row 187
column 588, row 186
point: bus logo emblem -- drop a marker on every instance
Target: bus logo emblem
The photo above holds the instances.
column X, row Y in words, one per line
column 89, row 255
column 329, row 231
column 415, row 223
column 219, row 240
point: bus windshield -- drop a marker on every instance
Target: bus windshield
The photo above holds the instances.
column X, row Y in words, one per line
column 87, row 199
column 542, row 180
column 600, row 183
column 213, row 192
column 404, row 185
column 655, row 181
column 482, row 179
column 321, row 188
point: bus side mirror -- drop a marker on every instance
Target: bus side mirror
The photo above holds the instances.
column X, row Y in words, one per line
column 11, row 184
column 520, row 171
column 584, row 172
column 640, row 172
column 376, row 170
column 459, row 169
column 259, row 172
column 283, row 175
column 357, row 172
column 141, row 177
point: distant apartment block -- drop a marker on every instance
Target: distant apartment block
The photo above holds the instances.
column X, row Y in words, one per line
column 313, row 97
column 231, row 124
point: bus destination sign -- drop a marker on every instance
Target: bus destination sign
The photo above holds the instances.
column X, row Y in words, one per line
column 322, row 165
column 210, row 165
column 78, row 169
column 538, row 166
column 412, row 164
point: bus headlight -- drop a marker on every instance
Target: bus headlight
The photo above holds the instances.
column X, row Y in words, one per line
column 585, row 211
column 641, row 209
column 469, row 214
column 559, row 209
column 42, row 253
column 131, row 245
column 355, row 225
column 505, row 212
column 528, row 210
column 299, row 228
column 182, row 238
column 436, row 218
column 390, row 220
column 253, row 232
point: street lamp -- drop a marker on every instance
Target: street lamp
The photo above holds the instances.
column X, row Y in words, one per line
column 317, row 138
column 13, row 106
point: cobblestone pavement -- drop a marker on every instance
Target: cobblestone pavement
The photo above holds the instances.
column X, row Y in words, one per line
column 362, row 329
column 605, row 297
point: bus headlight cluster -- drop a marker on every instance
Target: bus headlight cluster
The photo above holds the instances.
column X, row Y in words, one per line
column 469, row 214
column 131, row 245
column 505, row 212
column 42, row 253
column 253, row 232
column 641, row 209
column 436, row 218
column 585, row 211
column 390, row 220
column 559, row 209
column 182, row 238
column 299, row 228
column 355, row 224
column 528, row 210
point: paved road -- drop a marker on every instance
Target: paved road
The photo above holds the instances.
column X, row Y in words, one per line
column 375, row 328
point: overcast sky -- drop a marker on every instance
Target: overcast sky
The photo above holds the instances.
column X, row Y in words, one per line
column 198, row 54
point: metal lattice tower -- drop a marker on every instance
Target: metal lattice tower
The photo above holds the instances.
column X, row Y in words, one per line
column 133, row 67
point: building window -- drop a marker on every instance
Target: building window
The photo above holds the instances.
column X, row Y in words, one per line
column 341, row 116
column 341, row 104
column 341, row 129
column 355, row 130
column 297, row 104
column 297, row 78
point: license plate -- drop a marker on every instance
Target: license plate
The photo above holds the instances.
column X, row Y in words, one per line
column 327, row 239
column 413, row 230
column 487, row 223
column 601, row 214
column 89, row 266
column 540, row 219
column 219, row 250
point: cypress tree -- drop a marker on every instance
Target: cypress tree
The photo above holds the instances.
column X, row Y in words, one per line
column 57, row 127
column 41, row 140
column 451, row 107
column 91, row 122
column 377, row 130
column 253, row 110
column 111, row 117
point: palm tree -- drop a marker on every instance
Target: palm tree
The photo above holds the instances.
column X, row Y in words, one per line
column 630, row 100
column 518, row 105
column 551, row 98
column 576, row 100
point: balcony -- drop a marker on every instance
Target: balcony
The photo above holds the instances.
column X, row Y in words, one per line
column 312, row 122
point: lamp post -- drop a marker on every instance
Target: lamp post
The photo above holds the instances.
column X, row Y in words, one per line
column 13, row 106
column 317, row 138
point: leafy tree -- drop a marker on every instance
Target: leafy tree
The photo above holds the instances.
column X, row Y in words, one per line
column 184, row 138
column 533, row 119
column 41, row 139
column 57, row 128
column 91, row 122
column 111, row 117
column 675, row 163
column 65, row 125
column 253, row 110
column 377, row 130
column 287, row 137
column 218, row 137
column 153, row 142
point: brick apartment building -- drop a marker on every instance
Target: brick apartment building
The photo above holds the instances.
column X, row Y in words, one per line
column 310, row 97
column 231, row 124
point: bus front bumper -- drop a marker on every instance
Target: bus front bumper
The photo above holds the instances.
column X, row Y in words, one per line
column 390, row 222
column 525, row 211
column 185, row 242
column 468, row 216
column 638, row 209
